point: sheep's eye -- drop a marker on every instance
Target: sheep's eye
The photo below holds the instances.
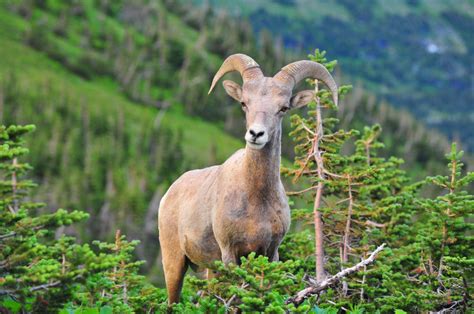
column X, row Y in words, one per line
column 284, row 109
column 243, row 105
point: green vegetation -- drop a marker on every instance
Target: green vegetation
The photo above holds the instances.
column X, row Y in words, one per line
column 368, row 200
column 353, row 201
column 427, row 266
column 122, row 110
column 356, row 201
column 103, row 152
column 43, row 273
column 416, row 54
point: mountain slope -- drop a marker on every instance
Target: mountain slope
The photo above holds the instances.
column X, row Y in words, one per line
column 96, row 150
column 416, row 54
column 118, row 91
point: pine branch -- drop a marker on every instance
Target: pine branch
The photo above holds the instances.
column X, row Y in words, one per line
column 318, row 287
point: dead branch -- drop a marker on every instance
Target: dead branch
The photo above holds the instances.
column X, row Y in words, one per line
column 371, row 223
column 317, row 288
column 318, row 221
column 290, row 193
column 45, row 286
column 307, row 128
column 33, row 289
column 8, row 235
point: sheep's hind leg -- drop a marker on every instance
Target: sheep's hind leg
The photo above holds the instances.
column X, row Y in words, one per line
column 210, row 274
column 174, row 265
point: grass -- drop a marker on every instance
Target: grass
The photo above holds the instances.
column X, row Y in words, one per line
column 35, row 69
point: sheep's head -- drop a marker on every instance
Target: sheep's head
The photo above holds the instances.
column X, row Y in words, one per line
column 265, row 100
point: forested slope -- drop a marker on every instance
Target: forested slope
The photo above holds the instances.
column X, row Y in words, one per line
column 119, row 94
column 416, row 54
column 95, row 149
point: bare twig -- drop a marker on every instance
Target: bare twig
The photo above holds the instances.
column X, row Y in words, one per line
column 303, row 167
column 307, row 128
column 63, row 264
column 371, row 223
column 334, row 303
column 227, row 303
column 45, row 286
column 7, row 292
column 161, row 114
column 301, row 192
column 363, row 283
column 451, row 307
column 316, row 289
column 332, row 174
column 346, row 237
column 8, row 235
column 32, row 289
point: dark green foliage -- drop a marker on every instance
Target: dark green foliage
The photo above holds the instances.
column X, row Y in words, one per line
column 368, row 200
column 256, row 285
column 111, row 159
column 416, row 54
column 108, row 158
column 443, row 237
column 94, row 159
column 96, row 39
column 428, row 265
column 99, row 39
column 42, row 270
column 118, row 285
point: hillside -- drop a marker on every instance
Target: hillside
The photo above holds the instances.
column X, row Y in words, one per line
column 94, row 149
column 416, row 54
column 118, row 91
column 121, row 105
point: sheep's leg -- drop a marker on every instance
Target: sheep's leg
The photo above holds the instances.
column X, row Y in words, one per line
column 210, row 274
column 275, row 257
column 228, row 257
column 174, row 265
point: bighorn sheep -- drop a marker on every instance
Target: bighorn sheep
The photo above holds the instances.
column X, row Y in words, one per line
column 228, row 211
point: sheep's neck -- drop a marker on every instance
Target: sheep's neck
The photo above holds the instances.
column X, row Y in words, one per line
column 262, row 166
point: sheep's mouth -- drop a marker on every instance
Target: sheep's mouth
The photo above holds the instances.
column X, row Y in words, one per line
column 255, row 145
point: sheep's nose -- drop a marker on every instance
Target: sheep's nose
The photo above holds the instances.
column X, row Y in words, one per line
column 256, row 133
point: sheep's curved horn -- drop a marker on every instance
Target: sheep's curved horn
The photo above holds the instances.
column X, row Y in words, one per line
column 294, row 72
column 246, row 66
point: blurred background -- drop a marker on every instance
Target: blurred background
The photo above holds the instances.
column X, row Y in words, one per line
column 118, row 89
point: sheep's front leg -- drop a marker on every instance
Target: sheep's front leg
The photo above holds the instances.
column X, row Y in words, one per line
column 275, row 257
column 228, row 257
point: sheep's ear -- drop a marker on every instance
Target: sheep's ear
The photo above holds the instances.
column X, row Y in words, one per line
column 233, row 90
column 301, row 99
